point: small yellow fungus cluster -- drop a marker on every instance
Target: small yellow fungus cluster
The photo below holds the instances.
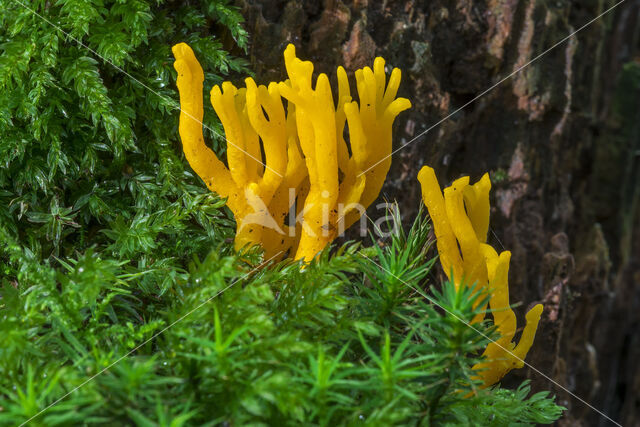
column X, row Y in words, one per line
column 306, row 158
column 461, row 221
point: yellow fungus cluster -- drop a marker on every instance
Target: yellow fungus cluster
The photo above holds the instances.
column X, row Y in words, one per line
column 460, row 220
column 306, row 158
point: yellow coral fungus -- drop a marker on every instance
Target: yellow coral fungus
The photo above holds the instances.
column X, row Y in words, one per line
column 503, row 355
column 307, row 159
column 333, row 204
column 461, row 220
column 249, row 186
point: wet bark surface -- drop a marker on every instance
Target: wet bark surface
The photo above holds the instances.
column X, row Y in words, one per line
column 560, row 138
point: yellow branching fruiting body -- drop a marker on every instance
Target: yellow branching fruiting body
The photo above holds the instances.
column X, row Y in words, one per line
column 306, row 158
column 332, row 205
column 316, row 125
column 504, row 355
column 460, row 220
column 378, row 109
column 249, row 186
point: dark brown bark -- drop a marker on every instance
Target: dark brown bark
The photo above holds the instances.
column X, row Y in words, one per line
column 561, row 139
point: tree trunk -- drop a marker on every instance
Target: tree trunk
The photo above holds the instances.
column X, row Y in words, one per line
column 560, row 138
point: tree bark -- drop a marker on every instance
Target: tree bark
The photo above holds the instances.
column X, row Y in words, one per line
column 560, row 138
